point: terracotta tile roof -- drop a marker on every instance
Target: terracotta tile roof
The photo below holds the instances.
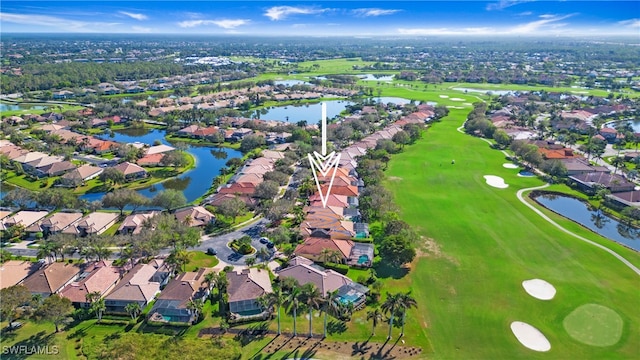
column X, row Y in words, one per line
column 12, row 272
column 50, row 279
column 128, row 168
column 59, row 221
column 137, row 285
column 326, row 281
column 312, row 247
column 198, row 215
column 96, row 277
column 153, row 159
column 249, row 284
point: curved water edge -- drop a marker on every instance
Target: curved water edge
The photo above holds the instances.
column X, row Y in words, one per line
column 594, row 220
column 194, row 183
column 520, row 197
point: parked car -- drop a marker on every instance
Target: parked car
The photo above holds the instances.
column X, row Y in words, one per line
column 264, row 240
column 270, row 245
column 211, row 251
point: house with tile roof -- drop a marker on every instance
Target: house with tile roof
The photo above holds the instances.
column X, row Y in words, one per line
column 173, row 302
column 96, row 277
column 12, row 272
column 78, row 176
column 24, row 218
column 195, row 216
column 244, row 288
column 306, row 272
column 55, row 223
column 94, row 223
column 131, row 171
column 133, row 223
column 313, row 246
column 52, row 278
column 55, row 169
column 141, row 284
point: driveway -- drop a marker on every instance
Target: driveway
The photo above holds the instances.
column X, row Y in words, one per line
column 225, row 253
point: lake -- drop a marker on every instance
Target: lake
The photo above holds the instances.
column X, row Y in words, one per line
column 193, row 183
column 13, row 107
column 578, row 211
column 372, row 77
column 310, row 113
column 291, row 82
column 484, row 91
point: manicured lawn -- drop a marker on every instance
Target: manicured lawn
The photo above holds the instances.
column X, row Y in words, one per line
column 199, row 259
column 478, row 243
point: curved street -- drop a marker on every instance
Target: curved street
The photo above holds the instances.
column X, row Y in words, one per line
column 218, row 243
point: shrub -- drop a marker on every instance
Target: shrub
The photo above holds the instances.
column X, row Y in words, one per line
column 340, row 268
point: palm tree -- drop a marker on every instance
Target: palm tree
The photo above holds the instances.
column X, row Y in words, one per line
column 179, row 258
column 277, row 298
column 196, row 308
column 209, row 281
column 250, row 261
column 406, row 301
column 98, row 306
column 45, row 250
column 375, row 316
column 133, row 309
column 313, row 298
column 263, row 254
column 390, row 306
column 292, row 300
column 329, row 304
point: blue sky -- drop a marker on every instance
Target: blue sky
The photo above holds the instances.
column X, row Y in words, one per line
column 326, row 18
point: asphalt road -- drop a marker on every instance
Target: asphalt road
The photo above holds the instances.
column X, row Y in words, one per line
column 219, row 243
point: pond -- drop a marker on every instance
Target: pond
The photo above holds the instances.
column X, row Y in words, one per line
column 13, row 107
column 578, row 211
column 310, row 113
column 193, row 183
column 291, row 82
column 484, row 91
column 376, row 77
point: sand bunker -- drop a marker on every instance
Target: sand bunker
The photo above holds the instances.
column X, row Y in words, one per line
column 467, row 104
column 539, row 289
column 455, row 107
column 530, row 337
column 496, row 181
column 510, row 166
column 444, row 96
column 456, row 99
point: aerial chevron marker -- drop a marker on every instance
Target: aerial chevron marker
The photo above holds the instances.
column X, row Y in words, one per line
column 324, row 163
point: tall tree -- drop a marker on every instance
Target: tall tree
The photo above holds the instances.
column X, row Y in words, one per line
column 112, row 176
column 232, row 208
column 312, row 298
column 329, row 304
column 55, row 309
column 169, row 199
column 195, row 306
column 406, row 301
column 390, row 306
column 375, row 316
column 98, row 307
column 122, row 198
column 133, row 309
column 12, row 298
column 293, row 302
column 19, row 197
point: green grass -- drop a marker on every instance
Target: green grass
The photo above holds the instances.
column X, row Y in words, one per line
column 482, row 244
column 595, row 325
column 199, row 259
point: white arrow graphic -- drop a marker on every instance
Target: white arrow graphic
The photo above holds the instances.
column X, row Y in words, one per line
column 324, row 163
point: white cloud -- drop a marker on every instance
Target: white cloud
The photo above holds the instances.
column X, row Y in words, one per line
column 538, row 25
column 225, row 23
column 525, row 13
column 503, row 4
column 134, row 15
column 55, row 22
column 281, row 12
column 374, row 11
column 633, row 23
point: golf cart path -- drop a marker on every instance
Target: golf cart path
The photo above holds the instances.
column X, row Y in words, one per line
column 618, row 256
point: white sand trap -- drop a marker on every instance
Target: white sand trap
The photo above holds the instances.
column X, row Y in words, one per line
column 468, row 104
column 510, row 166
column 496, row 181
column 456, row 99
column 539, row 289
column 455, row 107
column 530, row 337
column 444, row 96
